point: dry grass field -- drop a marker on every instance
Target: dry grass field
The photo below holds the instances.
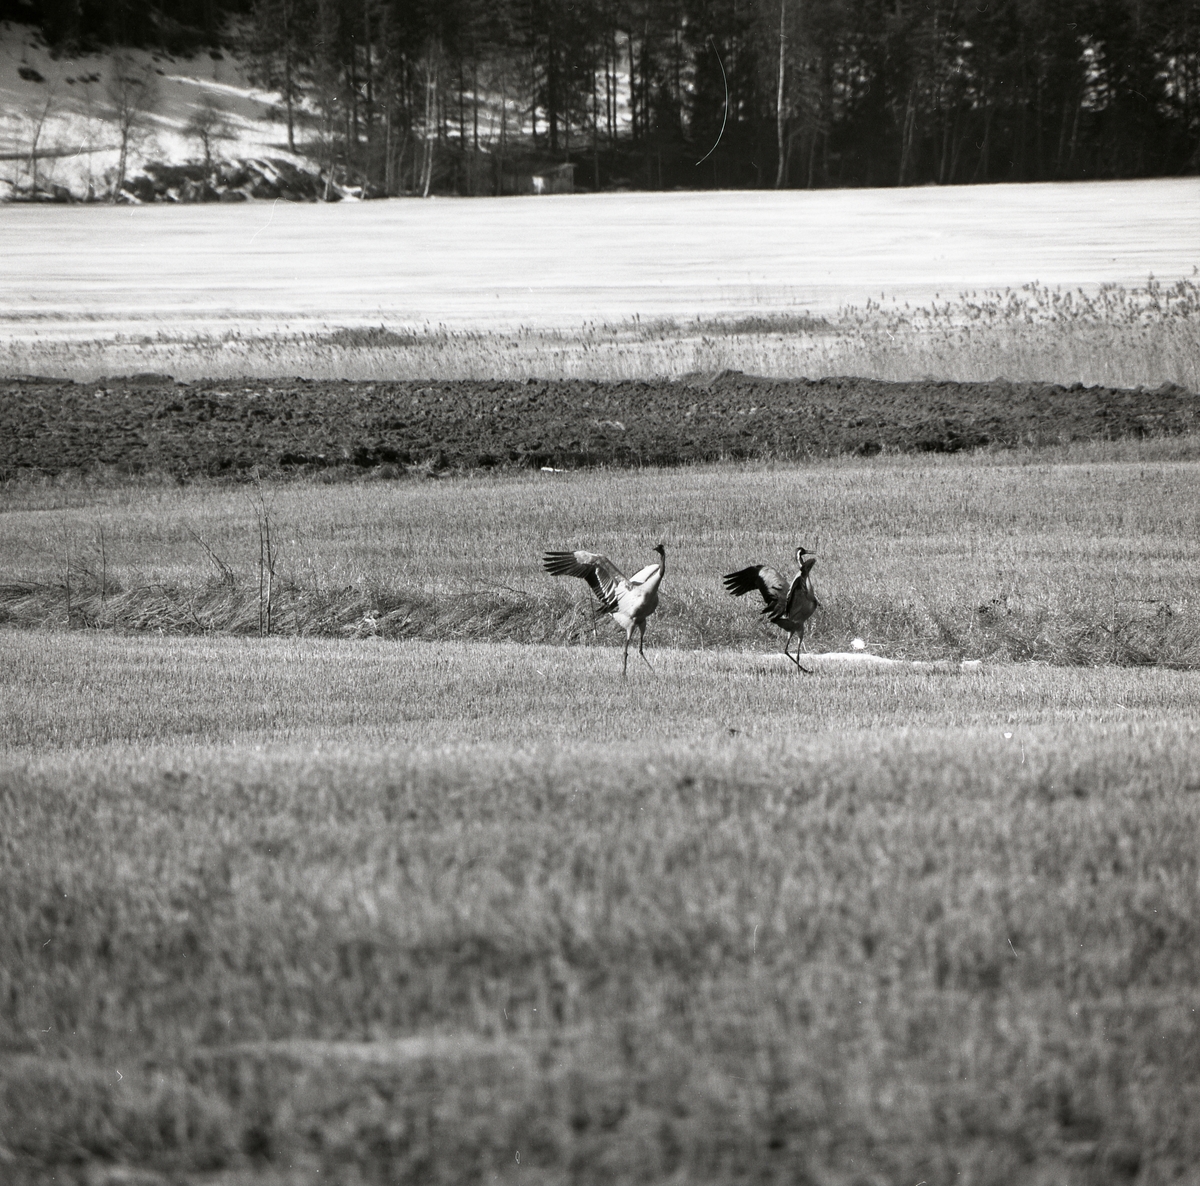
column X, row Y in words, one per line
column 1141, row 336
column 297, row 910
column 1090, row 558
column 387, row 900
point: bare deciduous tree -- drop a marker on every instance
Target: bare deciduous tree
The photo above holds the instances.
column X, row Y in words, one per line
column 210, row 125
column 133, row 93
column 430, row 66
column 281, row 45
column 780, row 111
column 37, row 123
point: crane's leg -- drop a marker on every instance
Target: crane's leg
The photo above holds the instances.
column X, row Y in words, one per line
column 806, row 670
column 794, row 658
column 641, row 643
column 799, row 640
column 628, row 638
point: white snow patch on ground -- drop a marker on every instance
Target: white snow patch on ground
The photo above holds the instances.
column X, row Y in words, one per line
column 499, row 263
column 859, row 659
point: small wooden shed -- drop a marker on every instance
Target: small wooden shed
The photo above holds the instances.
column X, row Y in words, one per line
column 554, row 179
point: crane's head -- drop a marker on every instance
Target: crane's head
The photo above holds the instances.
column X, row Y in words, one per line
column 661, row 550
column 801, row 552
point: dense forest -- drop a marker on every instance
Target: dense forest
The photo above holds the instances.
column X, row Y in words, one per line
column 444, row 95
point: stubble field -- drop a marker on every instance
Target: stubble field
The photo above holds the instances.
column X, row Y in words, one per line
column 356, row 860
column 386, row 899
column 283, row 911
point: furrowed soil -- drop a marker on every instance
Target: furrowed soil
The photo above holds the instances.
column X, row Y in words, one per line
column 152, row 424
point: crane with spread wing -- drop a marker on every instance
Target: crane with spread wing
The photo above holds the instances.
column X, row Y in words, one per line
column 788, row 606
column 629, row 601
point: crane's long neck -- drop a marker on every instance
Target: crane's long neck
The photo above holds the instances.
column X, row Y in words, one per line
column 652, row 582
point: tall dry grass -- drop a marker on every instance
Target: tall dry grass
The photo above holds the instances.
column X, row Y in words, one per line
column 1068, row 556
column 1144, row 336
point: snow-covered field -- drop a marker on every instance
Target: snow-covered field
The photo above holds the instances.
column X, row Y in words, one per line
column 495, row 264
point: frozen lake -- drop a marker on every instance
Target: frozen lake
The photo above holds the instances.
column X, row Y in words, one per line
column 493, row 264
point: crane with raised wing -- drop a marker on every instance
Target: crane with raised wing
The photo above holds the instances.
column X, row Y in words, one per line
column 788, row 606
column 629, row 601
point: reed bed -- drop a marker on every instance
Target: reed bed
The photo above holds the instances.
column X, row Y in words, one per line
column 1115, row 336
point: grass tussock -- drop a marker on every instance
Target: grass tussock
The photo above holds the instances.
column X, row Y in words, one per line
column 1060, row 557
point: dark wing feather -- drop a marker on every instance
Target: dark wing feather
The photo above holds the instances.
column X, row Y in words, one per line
column 761, row 577
column 604, row 577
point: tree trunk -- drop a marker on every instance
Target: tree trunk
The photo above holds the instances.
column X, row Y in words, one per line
column 331, row 159
column 633, row 103
column 552, row 96
column 958, row 139
column 430, row 120
column 906, row 134
column 387, row 150
column 780, row 117
column 462, row 129
column 595, row 135
column 981, row 166
column 610, row 82
column 352, row 115
column 369, row 108
column 287, row 74
column 1075, row 130
column 398, row 168
column 944, row 155
column 120, row 181
column 532, row 105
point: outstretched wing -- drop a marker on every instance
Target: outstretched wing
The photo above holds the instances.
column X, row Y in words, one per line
column 761, row 577
column 605, row 578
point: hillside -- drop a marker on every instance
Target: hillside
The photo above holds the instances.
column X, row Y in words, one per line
column 57, row 117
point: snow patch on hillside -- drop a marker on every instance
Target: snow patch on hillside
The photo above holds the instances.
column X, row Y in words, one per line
column 62, row 104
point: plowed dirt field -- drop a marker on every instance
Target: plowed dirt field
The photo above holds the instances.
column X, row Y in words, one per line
column 152, row 424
